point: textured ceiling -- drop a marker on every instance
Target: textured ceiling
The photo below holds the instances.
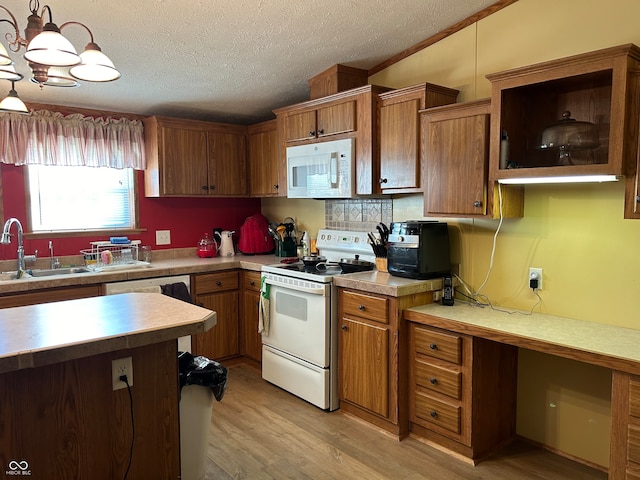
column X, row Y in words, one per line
column 230, row 60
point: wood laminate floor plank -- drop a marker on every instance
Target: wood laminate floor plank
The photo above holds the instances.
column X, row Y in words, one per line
column 260, row 432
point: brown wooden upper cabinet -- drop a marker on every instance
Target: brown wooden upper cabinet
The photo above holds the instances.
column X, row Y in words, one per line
column 347, row 114
column 400, row 169
column 455, row 158
column 600, row 87
column 265, row 169
column 193, row 158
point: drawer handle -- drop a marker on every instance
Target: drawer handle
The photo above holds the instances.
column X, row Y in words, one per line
column 433, row 381
column 344, row 327
column 252, row 283
column 433, row 414
column 219, row 283
column 433, row 346
column 361, row 308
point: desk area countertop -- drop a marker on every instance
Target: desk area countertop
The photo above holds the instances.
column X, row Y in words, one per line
column 605, row 345
column 49, row 333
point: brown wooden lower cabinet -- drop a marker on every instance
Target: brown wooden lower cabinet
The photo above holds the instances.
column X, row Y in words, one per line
column 250, row 339
column 625, row 427
column 371, row 369
column 49, row 295
column 462, row 390
column 219, row 292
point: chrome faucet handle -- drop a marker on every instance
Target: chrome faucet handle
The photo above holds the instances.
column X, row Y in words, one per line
column 31, row 258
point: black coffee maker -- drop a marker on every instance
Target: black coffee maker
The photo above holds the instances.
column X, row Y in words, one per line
column 418, row 249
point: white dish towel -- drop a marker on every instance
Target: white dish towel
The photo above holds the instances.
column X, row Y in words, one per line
column 264, row 318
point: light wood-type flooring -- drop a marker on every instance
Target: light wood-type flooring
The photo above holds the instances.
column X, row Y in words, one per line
column 259, row 431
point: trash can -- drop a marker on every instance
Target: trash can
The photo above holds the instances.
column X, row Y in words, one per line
column 201, row 380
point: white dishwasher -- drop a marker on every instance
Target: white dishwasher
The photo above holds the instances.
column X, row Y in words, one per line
column 151, row 285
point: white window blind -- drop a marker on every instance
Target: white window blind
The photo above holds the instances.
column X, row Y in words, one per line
column 80, row 198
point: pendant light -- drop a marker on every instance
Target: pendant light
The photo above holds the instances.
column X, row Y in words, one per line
column 12, row 102
column 52, row 58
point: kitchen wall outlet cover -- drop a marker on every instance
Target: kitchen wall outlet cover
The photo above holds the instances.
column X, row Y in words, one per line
column 121, row 366
column 535, row 273
column 163, row 237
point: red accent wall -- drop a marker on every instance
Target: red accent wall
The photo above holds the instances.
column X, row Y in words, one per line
column 187, row 218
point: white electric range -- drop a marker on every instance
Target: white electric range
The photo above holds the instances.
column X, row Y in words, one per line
column 300, row 351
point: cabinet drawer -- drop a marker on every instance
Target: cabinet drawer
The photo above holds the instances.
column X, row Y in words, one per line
column 438, row 412
column 216, row 282
column 634, row 396
column 633, row 442
column 439, row 379
column 366, row 306
column 444, row 346
column 251, row 281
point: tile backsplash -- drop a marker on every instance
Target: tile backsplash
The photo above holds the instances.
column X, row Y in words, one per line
column 358, row 215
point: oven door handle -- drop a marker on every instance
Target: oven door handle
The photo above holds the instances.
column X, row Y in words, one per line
column 299, row 288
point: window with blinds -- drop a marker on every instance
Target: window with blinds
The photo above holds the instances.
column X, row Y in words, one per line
column 80, row 198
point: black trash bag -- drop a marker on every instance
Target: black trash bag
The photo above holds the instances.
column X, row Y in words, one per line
column 202, row 371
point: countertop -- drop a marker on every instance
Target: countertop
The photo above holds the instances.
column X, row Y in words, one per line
column 163, row 267
column 605, row 345
column 50, row 333
column 385, row 284
column 184, row 262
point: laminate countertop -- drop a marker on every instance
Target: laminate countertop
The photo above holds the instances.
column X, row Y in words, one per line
column 49, row 333
column 385, row 284
column 164, row 266
column 599, row 344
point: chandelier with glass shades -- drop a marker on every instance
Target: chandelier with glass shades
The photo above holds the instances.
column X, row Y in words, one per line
column 52, row 58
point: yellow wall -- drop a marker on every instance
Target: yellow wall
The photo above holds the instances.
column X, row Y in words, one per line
column 577, row 234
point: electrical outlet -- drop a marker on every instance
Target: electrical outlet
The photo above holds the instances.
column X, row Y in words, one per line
column 163, row 237
column 121, row 366
column 535, row 274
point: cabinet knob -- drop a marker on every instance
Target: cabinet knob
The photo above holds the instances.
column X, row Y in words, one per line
column 477, row 204
column 320, row 132
column 200, row 304
column 433, row 414
column 383, row 180
column 638, row 199
column 344, row 327
column 212, row 187
column 433, row 381
column 361, row 308
column 433, row 346
column 205, row 187
column 312, row 134
column 219, row 283
column 252, row 283
column 276, row 186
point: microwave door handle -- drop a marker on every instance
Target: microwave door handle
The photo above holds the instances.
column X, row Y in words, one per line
column 298, row 288
column 333, row 169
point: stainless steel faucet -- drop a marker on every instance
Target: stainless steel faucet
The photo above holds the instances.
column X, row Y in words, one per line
column 6, row 239
column 53, row 261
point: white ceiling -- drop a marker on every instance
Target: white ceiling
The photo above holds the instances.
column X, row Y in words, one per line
column 229, row 60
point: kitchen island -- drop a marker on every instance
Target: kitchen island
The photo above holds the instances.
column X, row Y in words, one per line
column 60, row 417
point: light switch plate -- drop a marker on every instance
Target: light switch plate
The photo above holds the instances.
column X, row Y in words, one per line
column 163, row 237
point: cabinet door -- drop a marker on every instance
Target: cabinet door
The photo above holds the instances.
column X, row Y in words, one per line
column 227, row 164
column 399, row 145
column 251, row 339
column 184, row 161
column 364, row 366
column 334, row 119
column 300, row 126
column 222, row 340
column 456, row 162
column 263, row 163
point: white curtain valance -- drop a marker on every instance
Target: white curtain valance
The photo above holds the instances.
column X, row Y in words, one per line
column 51, row 138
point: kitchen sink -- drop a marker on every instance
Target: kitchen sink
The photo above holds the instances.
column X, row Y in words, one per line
column 57, row 271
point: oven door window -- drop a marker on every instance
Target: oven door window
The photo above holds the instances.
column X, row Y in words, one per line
column 300, row 324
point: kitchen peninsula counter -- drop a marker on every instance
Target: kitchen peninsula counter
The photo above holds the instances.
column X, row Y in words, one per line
column 61, row 416
column 48, row 333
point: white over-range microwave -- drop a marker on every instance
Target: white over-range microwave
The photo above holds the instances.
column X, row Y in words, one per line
column 321, row 170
